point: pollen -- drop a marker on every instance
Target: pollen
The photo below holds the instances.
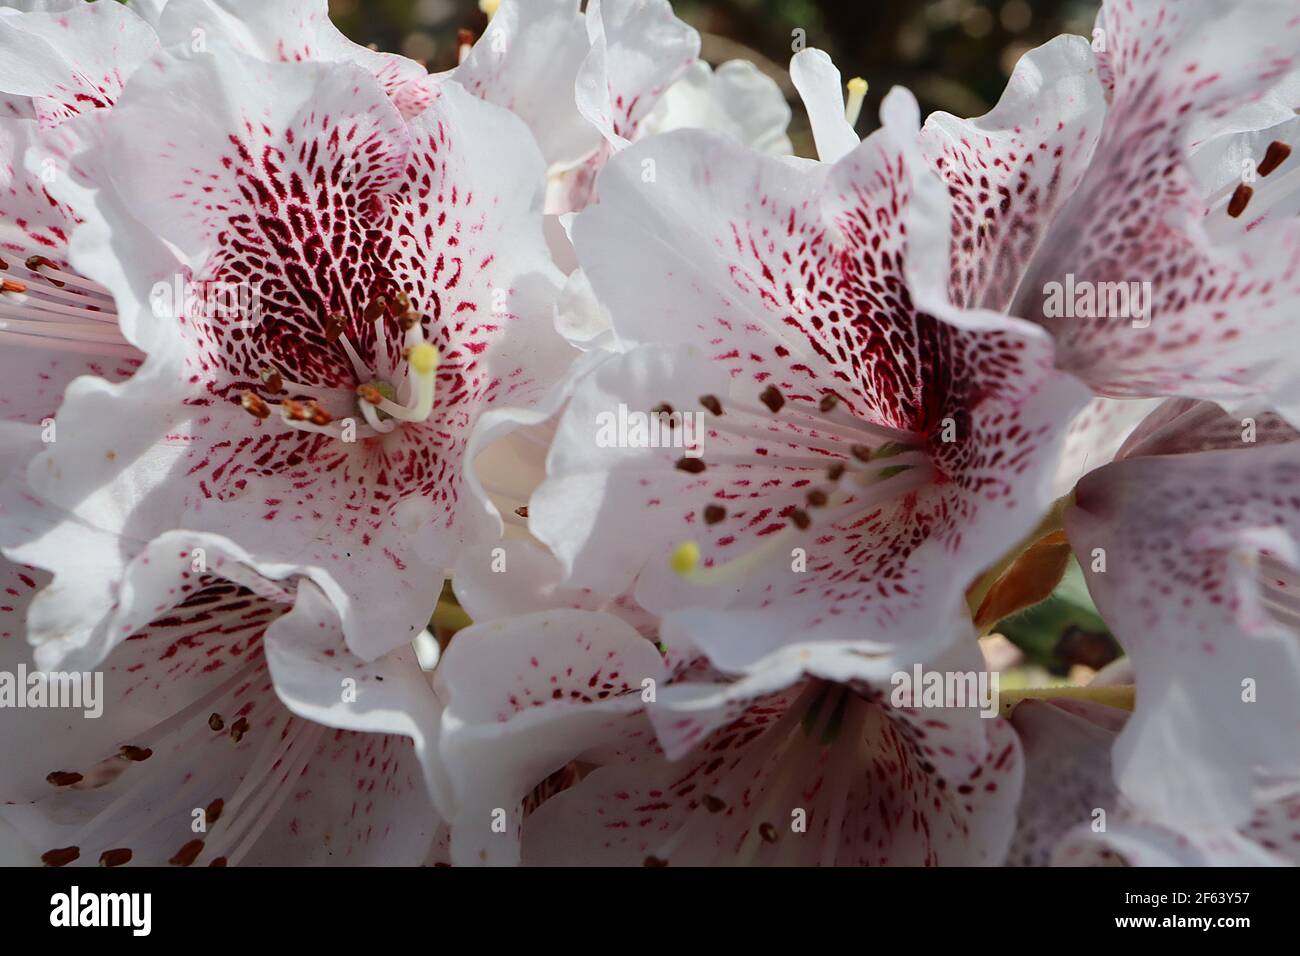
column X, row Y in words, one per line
column 423, row 358
column 685, row 557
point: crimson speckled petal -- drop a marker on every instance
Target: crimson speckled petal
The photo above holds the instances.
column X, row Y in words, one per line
column 1192, row 561
column 524, row 696
column 291, row 31
column 72, row 61
column 750, row 275
column 317, row 200
column 1138, row 215
column 790, row 768
column 193, row 728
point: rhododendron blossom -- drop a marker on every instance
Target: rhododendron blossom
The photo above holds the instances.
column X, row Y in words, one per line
column 538, row 445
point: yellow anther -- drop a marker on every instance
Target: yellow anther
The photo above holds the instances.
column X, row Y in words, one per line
column 857, row 88
column 489, row 6
column 685, row 557
column 423, row 358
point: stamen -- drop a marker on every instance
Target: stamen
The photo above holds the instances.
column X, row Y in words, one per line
column 857, row 88
column 118, row 857
column 1240, row 199
column 885, row 484
column 772, row 398
column 712, row 404
column 12, row 285
column 1274, row 156
column 35, row 262
column 62, row 856
column 255, row 406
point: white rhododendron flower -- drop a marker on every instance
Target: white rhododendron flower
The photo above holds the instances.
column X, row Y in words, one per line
column 224, row 707
column 858, row 462
column 536, row 445
column 400, row 282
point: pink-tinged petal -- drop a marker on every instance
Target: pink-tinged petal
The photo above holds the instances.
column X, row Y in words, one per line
column 367, row 794
column 638, row 50
column 1011, row 171
column 1068, row 778
column 1139, row 216
column 1179, row 426
column 1200, row 587
column 818, row 83
column 515, row 577
column 737, row 98
column 1149, row 841
column 1095, row 436
column 505, row 457
column 523, row 697
column 527, row 61
column 72, row 61
column 192, row 730
column 290, row 31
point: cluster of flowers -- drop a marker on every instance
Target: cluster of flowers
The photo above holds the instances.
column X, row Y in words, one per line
column 294, row 332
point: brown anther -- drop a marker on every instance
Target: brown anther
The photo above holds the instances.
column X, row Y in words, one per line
column 408, row 320
column 836, row 471
column 817, row 498
column 860, row 452
column 187, row 854
column 238, row 729
column 400, row 304
column 653, row 861
column 255, row 405
column 800, row 519
column 12, row 285
column 218, row 861
column 370, row 394
column 334, row 327
column 1274, row 156
column 772, row 398
column 713, row 804
column 522, row 511
column 768, row 832
column 711, row 403
column 294, row 411
column 136, row 754
column 119, row 857
column 213, row 811
column 216, row 724
column 714, row 513
column 376, row 309
column 318, row 415
column 664, row 409
column 272, row 379
column 35, row 262
column 692, row 466
column 62, row 856
column 63, row 778
column 1240, row 199
column 828, row 402
column 464, row 37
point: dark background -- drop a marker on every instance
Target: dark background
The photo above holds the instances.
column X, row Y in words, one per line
column 955, row 55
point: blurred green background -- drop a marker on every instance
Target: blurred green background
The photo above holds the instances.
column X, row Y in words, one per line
column 955, row 55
